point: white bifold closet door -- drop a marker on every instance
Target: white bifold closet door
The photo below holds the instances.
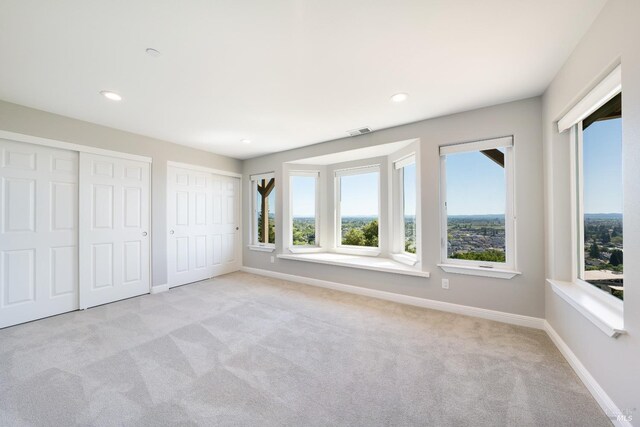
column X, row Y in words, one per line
column 114, row 224
column 203, row 225
column 38, row 232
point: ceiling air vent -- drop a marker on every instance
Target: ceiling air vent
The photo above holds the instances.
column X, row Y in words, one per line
column 359, row 131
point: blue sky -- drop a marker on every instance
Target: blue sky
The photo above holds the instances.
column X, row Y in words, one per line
column 475, row 185
column 602, row 160
column 359, row 195
column 410, row 190
column 272, row 201
column 303, row 190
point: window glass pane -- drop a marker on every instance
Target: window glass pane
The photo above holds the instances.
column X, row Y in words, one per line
column 602, row 205
column 266, row 203
column 409, row 207
column 476, row 199
column 303, row 209
column 359, row 209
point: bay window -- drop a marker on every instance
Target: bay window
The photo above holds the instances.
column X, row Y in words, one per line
column 358, row 208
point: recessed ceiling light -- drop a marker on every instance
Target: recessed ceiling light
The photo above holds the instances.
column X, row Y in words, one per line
column 110, row 95
column 246, row 141
column 399, row 97
column 152, row 52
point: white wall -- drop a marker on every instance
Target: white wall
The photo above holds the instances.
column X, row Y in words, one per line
column 614, row 37
column 522, row 295
column 19, row 119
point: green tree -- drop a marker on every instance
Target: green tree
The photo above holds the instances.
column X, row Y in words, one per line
column 594, row 250
column 409, row 246
column 298, row 238
column 491, row 255
column 272, row 229
column 616, row 257
column 410, row 235
column 615, row 232
column 354, row 237
column 370, row 232
column 304, row 231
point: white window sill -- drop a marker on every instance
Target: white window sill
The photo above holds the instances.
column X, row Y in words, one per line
column 472, row 270
column 357, row 250
column 405, row 259
column 305, row 249
column 606, row 315
column 261, row 248
column 385, row 265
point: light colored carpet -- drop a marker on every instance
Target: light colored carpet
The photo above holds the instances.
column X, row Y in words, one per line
column 247, row 350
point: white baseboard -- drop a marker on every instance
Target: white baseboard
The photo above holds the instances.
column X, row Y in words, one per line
column 499, row 316
column 159, row 288
column 598, row 393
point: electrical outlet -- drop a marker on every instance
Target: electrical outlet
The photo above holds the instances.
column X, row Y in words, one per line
column 445, row 283
column 273, row 259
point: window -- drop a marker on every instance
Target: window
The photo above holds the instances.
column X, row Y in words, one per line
column 477, row 211
column 596, row 200
column 405, row 206
column 599, row 185
column 304, row 208
column 264, row 210
column 366, row 209
column 358, row 206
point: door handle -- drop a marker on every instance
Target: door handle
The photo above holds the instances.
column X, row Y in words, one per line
column 237, row 228
column 170, row 231
column 144, row 233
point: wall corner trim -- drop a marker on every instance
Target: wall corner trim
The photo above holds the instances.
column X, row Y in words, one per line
column 608, row 406
column 159, row 288
column 498, row 316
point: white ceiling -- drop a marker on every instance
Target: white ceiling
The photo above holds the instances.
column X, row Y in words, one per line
column 282, row 73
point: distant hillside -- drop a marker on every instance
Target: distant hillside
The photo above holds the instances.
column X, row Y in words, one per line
column 478, row 217
column 603, row 216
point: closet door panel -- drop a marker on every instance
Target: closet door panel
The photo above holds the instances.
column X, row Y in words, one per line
column 114, row 229
column 203, row 225
column 38, row 232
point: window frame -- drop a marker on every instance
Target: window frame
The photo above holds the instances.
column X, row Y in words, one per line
column 577, row 204
column 350, row 249
column 577, row 216
column 305, row 248
column 254, row 242
column 399, row 237
column 510, row 264
column 605, row 311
